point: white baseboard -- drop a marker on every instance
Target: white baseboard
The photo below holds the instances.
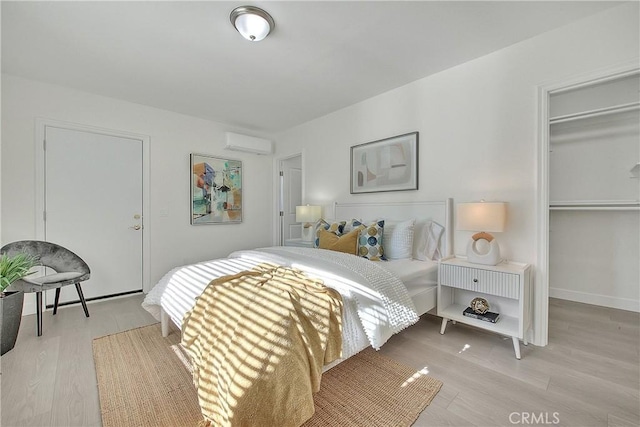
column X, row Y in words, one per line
column 595, row 299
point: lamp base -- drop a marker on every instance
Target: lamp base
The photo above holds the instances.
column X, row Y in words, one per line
column 489, row 257
column 307, row 233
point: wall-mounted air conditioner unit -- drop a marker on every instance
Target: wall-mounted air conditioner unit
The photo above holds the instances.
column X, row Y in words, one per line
column 249, row 144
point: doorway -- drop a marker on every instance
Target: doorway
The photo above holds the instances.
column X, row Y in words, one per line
column 545, row 203
column 290, row 196
column 594, row 195
column 92, row 197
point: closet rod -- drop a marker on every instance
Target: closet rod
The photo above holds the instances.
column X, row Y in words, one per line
column 596, row 113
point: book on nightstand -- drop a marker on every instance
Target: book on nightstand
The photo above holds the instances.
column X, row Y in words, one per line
column 487, row 317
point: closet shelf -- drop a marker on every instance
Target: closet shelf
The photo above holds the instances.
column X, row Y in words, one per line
column 595, row 205
column 594, row 208
column 596, row 113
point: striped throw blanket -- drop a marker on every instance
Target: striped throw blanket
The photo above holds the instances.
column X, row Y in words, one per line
column 258, row 341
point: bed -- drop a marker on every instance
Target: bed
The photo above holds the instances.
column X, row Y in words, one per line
column 275, row 318
column 404, row 288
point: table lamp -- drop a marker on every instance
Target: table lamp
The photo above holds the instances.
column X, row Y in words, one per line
column 483, row 217
column 308, row 215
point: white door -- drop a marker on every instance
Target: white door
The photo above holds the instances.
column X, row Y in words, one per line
column 291, row 196
column 93, row 204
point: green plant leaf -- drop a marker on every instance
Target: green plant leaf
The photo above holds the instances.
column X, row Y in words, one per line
column 14, row 268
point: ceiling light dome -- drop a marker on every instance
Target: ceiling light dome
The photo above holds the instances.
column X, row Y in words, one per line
column 253, row 23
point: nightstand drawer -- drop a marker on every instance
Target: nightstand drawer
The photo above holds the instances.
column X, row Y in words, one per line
column 475, row 279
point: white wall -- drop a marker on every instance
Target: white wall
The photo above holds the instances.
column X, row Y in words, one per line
column 172, row 137
column 477, row 122
column 593, row 257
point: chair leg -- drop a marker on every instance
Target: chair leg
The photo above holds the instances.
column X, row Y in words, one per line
column 84, row 303
column 39, row 312
column 55, row 302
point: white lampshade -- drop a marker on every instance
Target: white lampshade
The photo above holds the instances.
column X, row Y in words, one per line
column 481, row 216
column 253, row 23
column 308, row 213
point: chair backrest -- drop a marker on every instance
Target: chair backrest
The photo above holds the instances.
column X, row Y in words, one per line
column 61, row 259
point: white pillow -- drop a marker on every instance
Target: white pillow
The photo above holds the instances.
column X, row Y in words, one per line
column 420, row 238
column 433, row 241
column 398, row 239
column 428, row 242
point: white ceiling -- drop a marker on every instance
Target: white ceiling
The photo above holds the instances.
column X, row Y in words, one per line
column 186, row 57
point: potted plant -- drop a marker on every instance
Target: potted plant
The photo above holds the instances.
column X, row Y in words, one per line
column 12, row 268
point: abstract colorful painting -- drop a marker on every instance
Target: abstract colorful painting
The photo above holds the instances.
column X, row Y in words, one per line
column 216, row 190
column 386, row 165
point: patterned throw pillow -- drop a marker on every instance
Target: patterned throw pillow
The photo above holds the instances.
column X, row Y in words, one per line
column 336, row 228
column 370, row 240
column 352, row 225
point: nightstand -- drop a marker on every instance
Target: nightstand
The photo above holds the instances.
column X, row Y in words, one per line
column 299, row 243
column 505, row 286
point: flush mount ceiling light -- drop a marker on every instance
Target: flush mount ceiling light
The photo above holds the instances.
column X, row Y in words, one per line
column 253, row 23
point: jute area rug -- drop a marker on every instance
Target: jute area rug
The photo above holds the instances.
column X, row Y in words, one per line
column 144, row 380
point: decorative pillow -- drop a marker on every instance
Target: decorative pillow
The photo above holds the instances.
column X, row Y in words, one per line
column 420, row 234
column 428, row 247
column 347, row 243
column 335, row 227
column 398, row 239
column 433, row 241
column 352, row 225
column 370, row 241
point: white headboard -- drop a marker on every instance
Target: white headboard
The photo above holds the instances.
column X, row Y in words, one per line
column 440, row 211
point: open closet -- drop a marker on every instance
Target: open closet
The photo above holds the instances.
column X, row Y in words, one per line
column 594, row 192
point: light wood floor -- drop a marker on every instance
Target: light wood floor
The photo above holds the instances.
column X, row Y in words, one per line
column 588, row 375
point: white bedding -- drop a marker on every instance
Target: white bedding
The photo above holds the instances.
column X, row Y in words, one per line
column 412, row 270
column 376, row 302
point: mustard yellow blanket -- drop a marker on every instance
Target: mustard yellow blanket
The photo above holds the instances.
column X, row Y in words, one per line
column 258, row 341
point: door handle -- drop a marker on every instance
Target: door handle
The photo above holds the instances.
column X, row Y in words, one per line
column 136, row 227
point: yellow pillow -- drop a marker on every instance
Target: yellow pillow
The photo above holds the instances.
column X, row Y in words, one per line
column 347, row 243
